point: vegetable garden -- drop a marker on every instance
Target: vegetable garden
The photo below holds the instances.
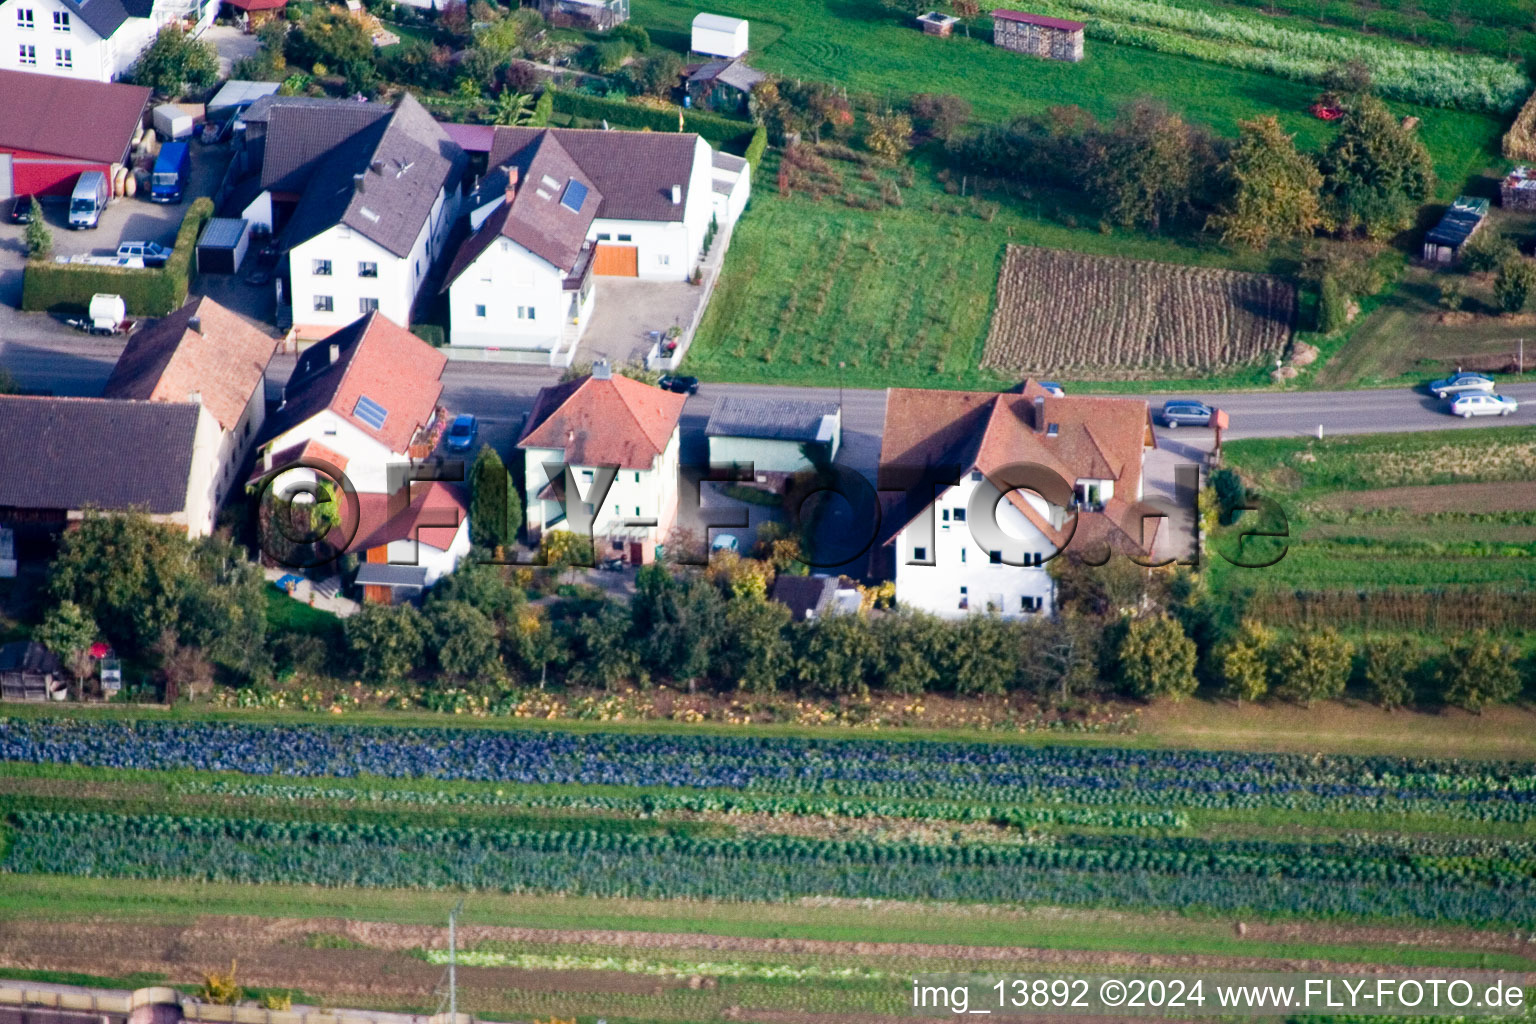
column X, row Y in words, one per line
column 1063, row 313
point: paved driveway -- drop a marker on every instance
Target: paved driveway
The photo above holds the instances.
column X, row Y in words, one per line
column 626, row 309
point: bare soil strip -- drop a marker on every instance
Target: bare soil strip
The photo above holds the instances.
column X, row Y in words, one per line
column 1506, row 496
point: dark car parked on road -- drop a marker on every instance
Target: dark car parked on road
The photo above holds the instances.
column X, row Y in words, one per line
column 679, row 385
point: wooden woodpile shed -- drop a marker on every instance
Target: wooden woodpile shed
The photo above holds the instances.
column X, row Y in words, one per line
column 1518, row 189
column 1038, row 35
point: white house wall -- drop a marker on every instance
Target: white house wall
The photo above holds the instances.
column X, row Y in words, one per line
column 367, row 459
column 437, row 561
column 503, row 280
column 959, row 561
column 92, row 58
column 399, row 280
column 653, row 492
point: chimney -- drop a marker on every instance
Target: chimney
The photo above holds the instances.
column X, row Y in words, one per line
column 357, row 182
column 195, row 324
column 601, row 370
column 376, row 166
column 511, row 184
column 195, row 397
column 1039, row 414
column 332, row 352
column 677, row 195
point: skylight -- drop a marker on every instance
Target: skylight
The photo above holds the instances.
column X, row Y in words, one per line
column 575, row 195
column 370, row 412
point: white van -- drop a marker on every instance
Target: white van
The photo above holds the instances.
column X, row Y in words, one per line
column 89, row 199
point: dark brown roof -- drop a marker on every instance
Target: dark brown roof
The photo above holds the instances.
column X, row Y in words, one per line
column 538, row 218
column 30, row 657
column 371, row 358
column 604, row 421
column 69, row 453
column 301, row 135
column 69, row 116
column 223, row 360
column 1043, row 20
column 635, row 171
column 804, row 595
column 382, row 181
column 932, row 437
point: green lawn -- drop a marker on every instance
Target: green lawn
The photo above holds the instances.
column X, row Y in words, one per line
column 904, row 296
column 289, row 615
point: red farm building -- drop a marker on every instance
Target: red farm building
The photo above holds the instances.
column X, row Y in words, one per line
column 53, row 128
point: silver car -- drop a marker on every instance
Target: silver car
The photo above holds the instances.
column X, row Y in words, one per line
column 1461, row 383
column 1187, row 413
column 1467, row 406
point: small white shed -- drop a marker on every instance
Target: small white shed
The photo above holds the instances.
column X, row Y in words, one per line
column 719, row 36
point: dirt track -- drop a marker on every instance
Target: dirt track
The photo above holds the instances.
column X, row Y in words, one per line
column 383, row 973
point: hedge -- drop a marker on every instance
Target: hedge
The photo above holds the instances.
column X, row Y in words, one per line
column 68, row 287
column 757, row 147
column 716, row 130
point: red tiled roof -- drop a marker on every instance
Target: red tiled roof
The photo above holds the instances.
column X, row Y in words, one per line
column 258, row 5
column 374, row 358
column 431, row 515
column 69, row 116
column 604, row 422
column 223, row 360
column 949, row 433
column 1045, row 21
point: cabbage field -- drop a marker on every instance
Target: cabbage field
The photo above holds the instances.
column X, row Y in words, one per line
column 1430, row 847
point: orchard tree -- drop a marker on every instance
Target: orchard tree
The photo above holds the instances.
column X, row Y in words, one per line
column 1376, row 172
column 332, row 37
column 464, row 641
column 176, row 63
column 386, row 642
column 1157, row 659
column 1147, row 174
column 1389, row 666
column 1314, row 665
column 755, row 657
column 834, row 656
column 68, row 632
column 940, row 114
column 1479, row 671
column 1242, row 661
column 1273, row 190
column 889, row 136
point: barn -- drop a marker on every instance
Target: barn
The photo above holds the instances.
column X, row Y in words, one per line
column 53, row 128
column 719, row 36
column 1038, row 35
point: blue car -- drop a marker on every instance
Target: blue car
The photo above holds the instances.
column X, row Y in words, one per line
column 462, row 433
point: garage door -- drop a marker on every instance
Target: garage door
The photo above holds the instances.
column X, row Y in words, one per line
column 5, row 176
column 617, row 260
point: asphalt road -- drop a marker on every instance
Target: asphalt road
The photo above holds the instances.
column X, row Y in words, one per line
column 500, row 394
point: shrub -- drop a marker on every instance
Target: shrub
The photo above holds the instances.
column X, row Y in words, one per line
column 1314, row 665
column 1157, row 659
column 1389, row 665
column 1452, row 295
column 756, row 148
column 717, row 130
column 1478, row 672
column 1332, row 305
column 1513, row 285
column 385, row 642
column 1243, row 662
column 1487, row 252
column 432, row 334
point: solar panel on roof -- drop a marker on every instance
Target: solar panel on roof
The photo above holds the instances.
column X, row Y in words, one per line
column 575, row 195
column 370, row 412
